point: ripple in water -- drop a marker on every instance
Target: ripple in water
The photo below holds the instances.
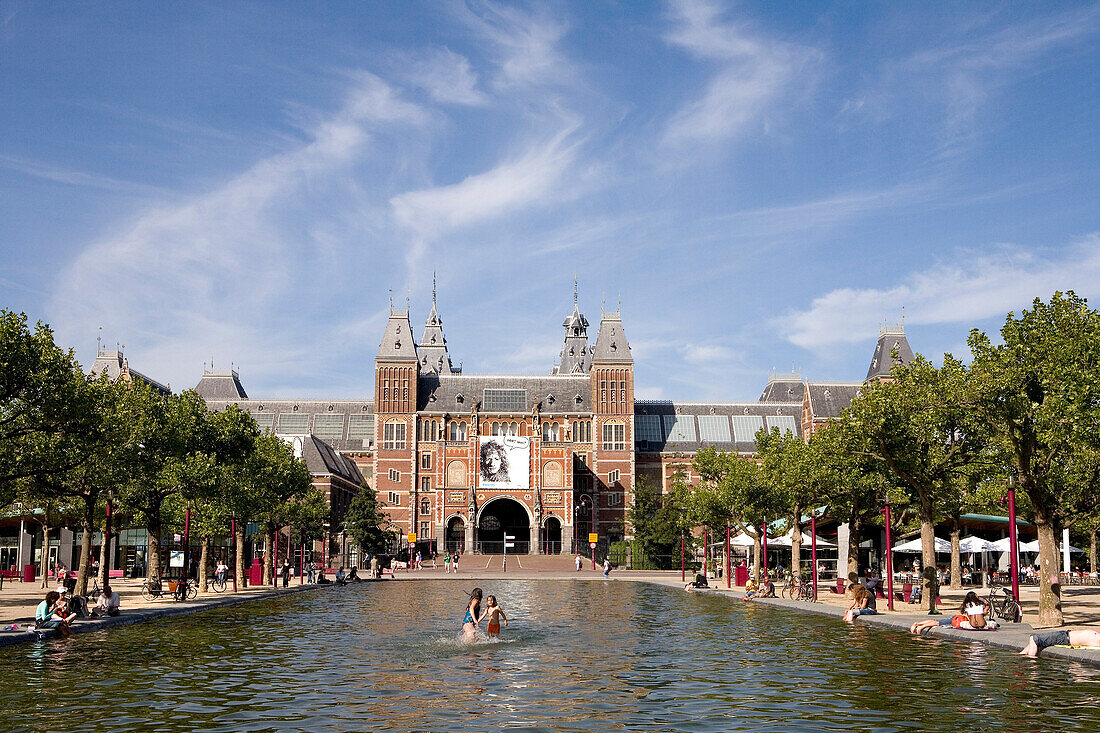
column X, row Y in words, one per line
column 576, row 656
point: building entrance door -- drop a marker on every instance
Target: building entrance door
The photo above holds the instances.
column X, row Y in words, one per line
column 503, row 517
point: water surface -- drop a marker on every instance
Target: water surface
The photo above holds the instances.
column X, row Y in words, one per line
column 577, row 656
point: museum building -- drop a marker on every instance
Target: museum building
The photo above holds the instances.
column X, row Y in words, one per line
column 471, row 461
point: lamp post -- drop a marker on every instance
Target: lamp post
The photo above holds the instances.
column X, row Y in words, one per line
column 764, row 531
column 889, row 563
column 728, row 581
column 682, row 566
column 233, row 550
column 813, row 550
column 582, row 510
column 1013, row 548
column 187, row 543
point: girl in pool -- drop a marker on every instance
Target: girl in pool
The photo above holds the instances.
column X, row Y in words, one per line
column 494, row 613
column 473, row 614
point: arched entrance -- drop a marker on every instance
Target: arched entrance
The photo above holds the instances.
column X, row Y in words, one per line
column 551, row 536
column 456, row 535
column 498, row 518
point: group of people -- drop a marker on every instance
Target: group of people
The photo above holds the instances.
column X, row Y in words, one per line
column 764, row 589
column 607, row 566
column 493, row 614
column 450, row 562
column 60, row 608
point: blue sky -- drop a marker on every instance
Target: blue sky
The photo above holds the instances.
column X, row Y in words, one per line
column 761, row 183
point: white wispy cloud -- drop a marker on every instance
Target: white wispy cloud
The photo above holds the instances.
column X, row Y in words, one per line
column 707, row 353
column 447, row 76
column 750, row 73
column 526, row 44
column 70, row 177
column 194, row 277
column 971, row 287
column 963, row 75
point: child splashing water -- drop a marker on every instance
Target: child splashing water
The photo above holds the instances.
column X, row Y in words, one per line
column 494, row 613
column 473, row 614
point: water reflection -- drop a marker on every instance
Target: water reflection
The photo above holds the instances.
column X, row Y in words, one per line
column 575, row 656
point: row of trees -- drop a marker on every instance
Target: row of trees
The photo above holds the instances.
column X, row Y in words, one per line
column 78, row 449
column 934, row 443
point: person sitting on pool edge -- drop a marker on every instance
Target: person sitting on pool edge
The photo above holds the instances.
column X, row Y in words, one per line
column 863, row 603
column 971, row 617
column 766, row 589
column 699, row 582
column 1061, row 637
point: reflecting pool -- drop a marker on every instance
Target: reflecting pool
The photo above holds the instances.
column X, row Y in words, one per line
column 577, row 656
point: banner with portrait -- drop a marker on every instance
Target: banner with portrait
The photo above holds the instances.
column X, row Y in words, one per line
column 504, row 462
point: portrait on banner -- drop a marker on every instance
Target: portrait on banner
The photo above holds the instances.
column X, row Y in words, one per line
column 504, row 462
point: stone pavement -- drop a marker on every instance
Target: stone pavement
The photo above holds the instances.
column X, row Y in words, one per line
column 19, row 600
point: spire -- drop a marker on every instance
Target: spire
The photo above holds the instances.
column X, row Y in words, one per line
column 891, row 339
column 397, row 342
column 432, row 351
column 574, row 358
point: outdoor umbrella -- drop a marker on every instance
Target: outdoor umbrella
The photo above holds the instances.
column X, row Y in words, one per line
column 914, row 546
column 977, row 544
column 1034, row 547
column 741, row 540
column 786, row 540
column 1002, row 545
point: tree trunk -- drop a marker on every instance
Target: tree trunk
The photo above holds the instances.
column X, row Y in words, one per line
column 931, row 587
column 1050, row 586
column 204, row 564
column 152, row 553
column 104, row 560
column 756, row 559
column 956, row 560
column 1092, row 550
column 45, row 552
column 238, row 561
column 87, row 524
column 855, row 536
column 269, row 560
column 796, row 542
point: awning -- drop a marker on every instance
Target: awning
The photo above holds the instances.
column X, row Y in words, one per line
column 914, row 546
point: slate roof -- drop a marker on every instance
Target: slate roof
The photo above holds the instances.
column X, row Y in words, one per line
column 322, row 458
column 553, row 393
column 611, row 343
column 889, row 339
column 397, row 342
column 270, row 414
column 827, row 399
column 116, row 366
column 784, row 388
column 220, row 385
column 737, row 420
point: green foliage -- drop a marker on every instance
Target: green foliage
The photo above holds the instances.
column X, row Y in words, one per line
column 657, row 528
column 365, row 519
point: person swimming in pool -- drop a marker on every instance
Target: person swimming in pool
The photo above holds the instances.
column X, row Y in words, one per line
column 473, row 614
column 494, row 613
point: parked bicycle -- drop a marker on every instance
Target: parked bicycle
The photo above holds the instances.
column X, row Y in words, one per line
column 798, row 589
column 1004, row 605
column 151, row 590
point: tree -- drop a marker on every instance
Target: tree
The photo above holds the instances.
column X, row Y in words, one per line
column 40, row 404
column 364, row 521
column 921, row 434
column 1038, row 393
column 788, row 467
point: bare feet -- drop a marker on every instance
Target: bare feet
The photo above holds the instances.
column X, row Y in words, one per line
column 1032, row 649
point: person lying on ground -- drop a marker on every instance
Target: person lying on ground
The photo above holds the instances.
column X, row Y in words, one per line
column 108, row 604
column 699, row 582
column 863, row 603
column 1061, row 637
column 971, row 617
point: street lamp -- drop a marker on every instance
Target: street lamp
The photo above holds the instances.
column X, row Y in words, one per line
column 582, row 509
column 1013, row 548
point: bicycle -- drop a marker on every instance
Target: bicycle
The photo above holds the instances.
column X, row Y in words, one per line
column 1004, row 605
column 152, row 590
column 216, row 584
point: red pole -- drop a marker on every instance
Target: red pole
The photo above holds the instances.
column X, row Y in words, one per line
column 1013, row 547
column 682, row 567
column 765, row 563
column 813, row 550
column 889, row 564
column 107, row 542
column 187, row 543
column 728, row 580
column 302, row 565
column 324, row 557
column 705, row 548
column 233, row 550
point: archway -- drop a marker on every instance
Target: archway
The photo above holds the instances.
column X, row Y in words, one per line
column 501, row 517
column 455, row 540
column 551, row 536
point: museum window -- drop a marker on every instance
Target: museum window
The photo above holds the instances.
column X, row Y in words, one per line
column 425, row 530
column 426, row 461
column 425, row 507
column 395, row 475
column 615, row 498
column 425, row 484
column 395, row 499
column 393, row 436
column 613, row 477
column 614, row 436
